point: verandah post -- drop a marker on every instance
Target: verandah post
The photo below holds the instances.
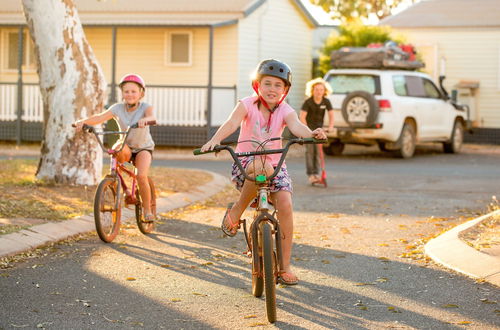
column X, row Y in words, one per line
column 20, row 52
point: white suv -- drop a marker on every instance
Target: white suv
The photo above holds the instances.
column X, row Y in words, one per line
column 395, row 109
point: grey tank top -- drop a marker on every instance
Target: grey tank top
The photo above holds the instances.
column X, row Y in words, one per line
column 138, row 138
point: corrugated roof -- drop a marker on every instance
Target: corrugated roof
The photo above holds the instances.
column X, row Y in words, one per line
column 148, row 12
column 447, row 13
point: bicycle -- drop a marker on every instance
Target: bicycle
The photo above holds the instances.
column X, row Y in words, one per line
column 108, row 195
column 263, row 236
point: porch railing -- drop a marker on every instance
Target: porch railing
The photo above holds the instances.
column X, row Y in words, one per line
column 174, row 105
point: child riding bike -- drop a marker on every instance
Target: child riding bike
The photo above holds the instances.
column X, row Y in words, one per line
column 139, row 145
column 260, row 118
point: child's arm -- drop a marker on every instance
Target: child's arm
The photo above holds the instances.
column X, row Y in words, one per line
column 330, row 120
column 231, row 124
column 302, row 117
column 148, row 116
column 299, row 129
column 94, row 119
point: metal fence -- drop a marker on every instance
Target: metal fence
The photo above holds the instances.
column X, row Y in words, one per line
column 181, row 112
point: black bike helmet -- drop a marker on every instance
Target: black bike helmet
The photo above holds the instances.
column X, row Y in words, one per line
column 274, row 68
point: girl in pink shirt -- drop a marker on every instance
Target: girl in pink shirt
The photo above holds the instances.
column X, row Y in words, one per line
column 262, row 117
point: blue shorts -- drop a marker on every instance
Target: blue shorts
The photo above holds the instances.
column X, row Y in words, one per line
column 281, row 182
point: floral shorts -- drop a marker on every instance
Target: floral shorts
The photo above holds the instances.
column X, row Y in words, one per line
column 281, row 181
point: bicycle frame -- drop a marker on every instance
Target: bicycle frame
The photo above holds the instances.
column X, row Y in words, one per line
column 263, row 190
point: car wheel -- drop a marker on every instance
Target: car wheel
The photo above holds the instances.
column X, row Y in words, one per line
column 457, row 139
column 335, row 148
column 360, row 109
column 407, row 141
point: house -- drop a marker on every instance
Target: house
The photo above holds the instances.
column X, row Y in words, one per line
column 460, row 39
column 196, row 57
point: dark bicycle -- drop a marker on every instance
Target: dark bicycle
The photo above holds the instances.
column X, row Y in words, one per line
column 263, row 237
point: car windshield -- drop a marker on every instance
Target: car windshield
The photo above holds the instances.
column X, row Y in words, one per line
column 346, row 83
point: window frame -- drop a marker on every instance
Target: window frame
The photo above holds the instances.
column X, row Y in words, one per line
column 168, row 47
column 28, row 51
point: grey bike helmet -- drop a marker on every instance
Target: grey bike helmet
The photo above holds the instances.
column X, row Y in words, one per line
column 275, row 68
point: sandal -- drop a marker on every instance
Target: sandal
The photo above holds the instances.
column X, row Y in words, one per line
column 228, row 230
column 149, row 218
column 288, row 279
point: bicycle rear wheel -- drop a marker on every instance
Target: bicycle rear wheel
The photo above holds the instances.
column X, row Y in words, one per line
column 269, row 271
column 107, row 209
column 145, row 227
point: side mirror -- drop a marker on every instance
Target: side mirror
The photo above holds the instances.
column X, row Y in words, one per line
column 454, row 95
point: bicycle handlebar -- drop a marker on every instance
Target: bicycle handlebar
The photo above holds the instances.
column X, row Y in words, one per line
column 282, row 151
column 91, row 129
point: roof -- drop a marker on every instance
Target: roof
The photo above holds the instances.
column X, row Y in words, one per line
column 447, row 13
column 151, row 12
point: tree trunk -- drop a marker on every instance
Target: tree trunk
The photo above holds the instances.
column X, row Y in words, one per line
column 72, row 86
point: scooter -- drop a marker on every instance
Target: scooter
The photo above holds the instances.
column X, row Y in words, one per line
column 322, row 179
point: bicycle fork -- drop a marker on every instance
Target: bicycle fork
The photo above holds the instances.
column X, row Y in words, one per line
column 264, row 216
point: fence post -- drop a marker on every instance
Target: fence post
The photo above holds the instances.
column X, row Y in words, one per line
column 209, row 87
column 20, row 51
column 112, row 94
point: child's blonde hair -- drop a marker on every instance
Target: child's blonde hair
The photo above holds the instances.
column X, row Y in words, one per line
column 311, row 83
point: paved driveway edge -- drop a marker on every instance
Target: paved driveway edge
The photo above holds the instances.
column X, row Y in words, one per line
column 452, row 252
column 39, row 235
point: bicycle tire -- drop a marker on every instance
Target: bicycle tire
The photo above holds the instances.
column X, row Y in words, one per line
column 106, row 214
column 269, row 271
column 257, row 280
column 145, row 227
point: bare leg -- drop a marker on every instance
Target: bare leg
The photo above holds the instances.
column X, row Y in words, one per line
column 248, row 192
column 142, row 163
column 283, row 204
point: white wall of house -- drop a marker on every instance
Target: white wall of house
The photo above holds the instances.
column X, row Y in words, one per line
column 276, row 30
column 469, row 54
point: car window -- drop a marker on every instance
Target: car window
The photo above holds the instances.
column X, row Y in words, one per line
column 415, row 86
column 399, row 83
column 344, row 83
column 431, row 89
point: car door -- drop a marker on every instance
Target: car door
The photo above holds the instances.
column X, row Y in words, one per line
column 422, row 106
column 442, row 122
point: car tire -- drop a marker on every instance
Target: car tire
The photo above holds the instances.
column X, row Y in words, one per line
column 335, row 148
column 360, row 109
column 407, row 142
column 457, row 138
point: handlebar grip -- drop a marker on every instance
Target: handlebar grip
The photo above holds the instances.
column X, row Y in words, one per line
column 85, row 127
column 148, row 123
column 313, row 140
column 198, row 151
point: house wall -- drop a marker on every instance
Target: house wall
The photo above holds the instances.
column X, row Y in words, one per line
column 276, row 30
column 471, row 54
column 143, row 50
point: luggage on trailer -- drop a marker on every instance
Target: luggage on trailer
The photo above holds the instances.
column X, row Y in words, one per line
column 375, row 57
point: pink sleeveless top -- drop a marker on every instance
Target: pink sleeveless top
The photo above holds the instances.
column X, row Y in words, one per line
column 255, row 127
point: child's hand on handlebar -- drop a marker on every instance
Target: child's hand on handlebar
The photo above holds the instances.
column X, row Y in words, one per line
column 78, row 125
column 209, row 145
column 319, row 134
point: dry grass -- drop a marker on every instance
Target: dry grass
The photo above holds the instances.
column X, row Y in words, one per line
column 22, row 196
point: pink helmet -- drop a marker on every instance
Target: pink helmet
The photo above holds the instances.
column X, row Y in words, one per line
column 131, row 77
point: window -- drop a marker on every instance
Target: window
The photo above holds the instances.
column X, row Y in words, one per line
column 431, row 90
column 415, row 86
column 11, row 62
column 399, row 83
column 179, row 48
column 343, row 84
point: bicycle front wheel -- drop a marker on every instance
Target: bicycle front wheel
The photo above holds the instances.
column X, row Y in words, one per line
column 269, row 271
column 107, row 209
column 145, row 227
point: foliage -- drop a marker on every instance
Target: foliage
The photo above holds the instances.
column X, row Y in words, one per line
column 353, row 35
column 349, row 10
